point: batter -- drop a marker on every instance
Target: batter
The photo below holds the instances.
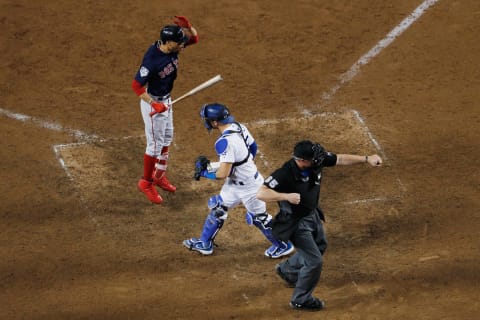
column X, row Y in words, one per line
column 153, row 83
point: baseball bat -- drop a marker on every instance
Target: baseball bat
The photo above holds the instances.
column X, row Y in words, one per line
column 198, row 88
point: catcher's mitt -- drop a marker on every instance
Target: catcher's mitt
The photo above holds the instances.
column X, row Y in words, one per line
column 201, row 164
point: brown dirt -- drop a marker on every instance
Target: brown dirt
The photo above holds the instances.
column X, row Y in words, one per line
column 82, row 243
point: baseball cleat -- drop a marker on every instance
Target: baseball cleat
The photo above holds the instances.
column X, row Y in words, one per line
column 276, row 252
column 196, row 244
column 312, row 305
column 165, row 184
column 148, row 188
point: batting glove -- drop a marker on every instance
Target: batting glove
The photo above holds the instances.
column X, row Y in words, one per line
column 182, row 21
column 158, row 107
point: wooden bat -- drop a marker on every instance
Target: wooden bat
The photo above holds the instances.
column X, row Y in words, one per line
column 198, row 88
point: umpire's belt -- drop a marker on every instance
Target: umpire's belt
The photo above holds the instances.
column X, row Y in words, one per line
column 241, row 183
column 160, row 98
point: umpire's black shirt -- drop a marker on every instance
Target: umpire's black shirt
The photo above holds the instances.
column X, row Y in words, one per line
column 290, row 179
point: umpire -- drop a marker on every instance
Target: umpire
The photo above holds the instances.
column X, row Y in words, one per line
column 296, row 187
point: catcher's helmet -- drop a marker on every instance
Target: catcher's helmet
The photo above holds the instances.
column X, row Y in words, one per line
column 173, row 33
column 215, row 112
column 308, row 150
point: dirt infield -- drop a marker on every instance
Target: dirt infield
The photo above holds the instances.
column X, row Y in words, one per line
column 78, row 241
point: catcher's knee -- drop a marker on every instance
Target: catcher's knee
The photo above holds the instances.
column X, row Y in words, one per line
column 218, row 210
column 260, row 220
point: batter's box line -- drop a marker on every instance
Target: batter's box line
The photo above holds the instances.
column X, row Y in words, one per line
column 57, row 149
column 79, row 135
column 89, row 139
column 307, row 114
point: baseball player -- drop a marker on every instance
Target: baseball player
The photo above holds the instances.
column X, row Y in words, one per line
column 296, row 187
column 236, row 150
column 153, row 83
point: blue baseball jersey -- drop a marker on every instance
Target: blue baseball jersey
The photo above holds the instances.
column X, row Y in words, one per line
column 158, row 70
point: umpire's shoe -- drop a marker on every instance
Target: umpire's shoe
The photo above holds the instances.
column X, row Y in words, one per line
column 196, row 244
column 284, row 249
column 148, row 188
column 312, row 305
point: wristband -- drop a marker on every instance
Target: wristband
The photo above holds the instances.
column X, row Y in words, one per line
column 211, row 175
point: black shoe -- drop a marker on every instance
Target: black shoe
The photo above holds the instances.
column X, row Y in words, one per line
column 289, row 283
column 312, row 305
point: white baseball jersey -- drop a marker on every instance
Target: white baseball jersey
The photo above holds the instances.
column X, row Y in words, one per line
column 241, row 186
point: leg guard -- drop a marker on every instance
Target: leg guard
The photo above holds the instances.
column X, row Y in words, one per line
column 213, row 223
column 215, row 219
column 263, row 222
column 159, row 177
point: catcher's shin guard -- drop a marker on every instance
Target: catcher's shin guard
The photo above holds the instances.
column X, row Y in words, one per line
column 213, row 223
column 215, row 219
column 263, row 222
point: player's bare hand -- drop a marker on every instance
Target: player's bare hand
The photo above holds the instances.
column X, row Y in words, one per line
column 293, row 198
column 374, row 160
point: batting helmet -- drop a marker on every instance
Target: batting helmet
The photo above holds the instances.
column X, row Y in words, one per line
column 173, row 33
column 308, row 150
column 215, row 112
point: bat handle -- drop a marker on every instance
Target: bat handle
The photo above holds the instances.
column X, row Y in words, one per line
column 155, row 112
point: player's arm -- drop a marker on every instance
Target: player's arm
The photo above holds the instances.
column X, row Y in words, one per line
column 140, row 91
column 194, row 36
column 268, row 195
column 183, row 22
column 225, row 153
column 224, row 170
column 140, row 81
column 271, row 190
column 211, row 170
column 349, row 159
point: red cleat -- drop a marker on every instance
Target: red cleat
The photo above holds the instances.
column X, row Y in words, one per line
column 164, row 184
column 148, row 188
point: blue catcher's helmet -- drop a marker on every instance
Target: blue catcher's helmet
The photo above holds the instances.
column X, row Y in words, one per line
column 215, row 112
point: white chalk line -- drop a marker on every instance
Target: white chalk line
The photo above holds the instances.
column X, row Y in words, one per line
column 361, row 201
column 57, row 148
column 382, row 44
column 369, row 134
column 80, row 135
column 364, row 127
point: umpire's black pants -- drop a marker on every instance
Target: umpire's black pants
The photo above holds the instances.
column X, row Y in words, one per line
column 305, row 265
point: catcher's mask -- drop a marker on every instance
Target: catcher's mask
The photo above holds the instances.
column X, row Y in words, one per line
column 172, row 33
column 307, row 150
column 215, row 112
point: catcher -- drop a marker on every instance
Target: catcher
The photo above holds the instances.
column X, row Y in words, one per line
column 236, row 150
